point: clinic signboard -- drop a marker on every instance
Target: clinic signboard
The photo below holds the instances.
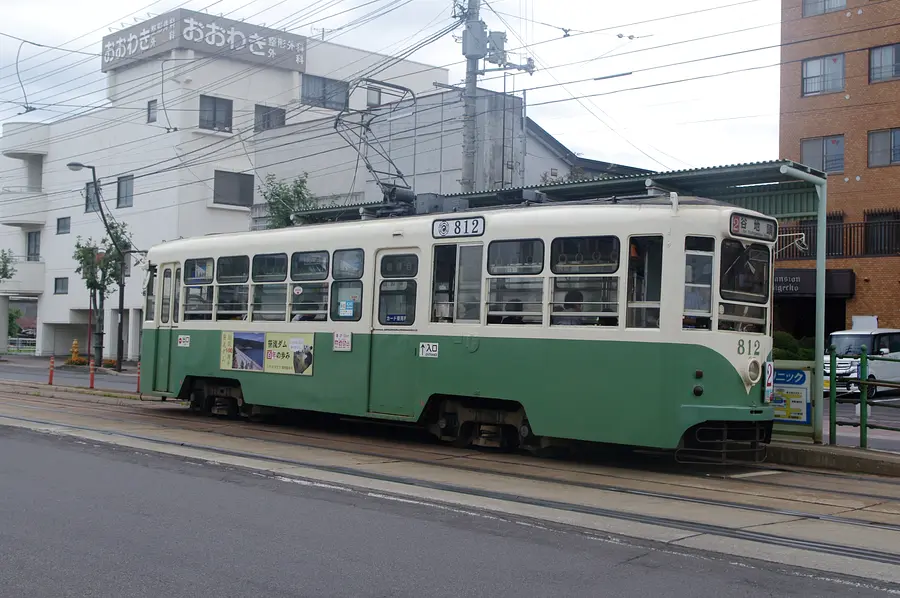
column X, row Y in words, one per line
column 208, row 34
column 796, row 406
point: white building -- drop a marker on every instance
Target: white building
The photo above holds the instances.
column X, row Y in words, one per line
column 200, row 108
column 424, row 142
column 174, row 152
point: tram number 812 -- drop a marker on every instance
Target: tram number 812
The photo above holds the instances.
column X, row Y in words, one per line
column 748, row 347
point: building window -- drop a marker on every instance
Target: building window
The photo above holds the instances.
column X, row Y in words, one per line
column 215, row 113
column 91, row 199
column 151, row 111
column 823, row 153
column 325, row 93
column 812, row 8
column 883, row 233
column 884, row 147
column 125, row 192
column 61, row 286
column 823, row 75
column 63, row 226
column 268, row 118
column 33, row 246
column 884, row 63
column 233, row 189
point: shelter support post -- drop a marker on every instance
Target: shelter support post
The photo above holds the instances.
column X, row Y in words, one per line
column 818, row 381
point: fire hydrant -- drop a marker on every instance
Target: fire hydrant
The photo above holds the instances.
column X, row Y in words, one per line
column 74, row 350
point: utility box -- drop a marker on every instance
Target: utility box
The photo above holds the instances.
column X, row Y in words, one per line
column 474, row 41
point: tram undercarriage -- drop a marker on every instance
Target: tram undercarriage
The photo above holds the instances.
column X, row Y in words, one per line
column 500, row 424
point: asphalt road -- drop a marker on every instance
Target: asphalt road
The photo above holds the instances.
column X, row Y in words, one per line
column 84, row 520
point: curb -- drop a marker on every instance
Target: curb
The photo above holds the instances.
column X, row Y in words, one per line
column 66, row 392
column 838, row 458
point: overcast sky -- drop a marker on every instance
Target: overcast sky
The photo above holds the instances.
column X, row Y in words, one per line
column 705, row 121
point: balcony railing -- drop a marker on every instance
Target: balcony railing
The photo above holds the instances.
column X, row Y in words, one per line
column 853, row 239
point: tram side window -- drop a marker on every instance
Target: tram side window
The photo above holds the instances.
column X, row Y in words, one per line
column 644, row 281
column 150, row 310
column 166, row 301
column 698, row 271
column 232, row 276
column 744, row 277
column 397, row 296
column 270, row 272
column 198, row 291
column 590, row 295
column 457, row 283
column 514, row 297
column 309, row 300
column 347, row 289
column 176, row 303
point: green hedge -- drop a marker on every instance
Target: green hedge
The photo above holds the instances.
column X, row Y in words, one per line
column 786, row 347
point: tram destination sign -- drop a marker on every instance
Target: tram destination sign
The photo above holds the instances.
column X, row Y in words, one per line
column 458, row 227
column 209, row 34
column 753, row 227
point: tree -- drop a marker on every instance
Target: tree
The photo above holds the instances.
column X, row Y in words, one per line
column 284, row 199
column 100, row 265
column 7, row 267
column 14, row 328
column 576, row 173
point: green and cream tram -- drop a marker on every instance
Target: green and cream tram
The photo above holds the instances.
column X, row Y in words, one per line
column 642, row 322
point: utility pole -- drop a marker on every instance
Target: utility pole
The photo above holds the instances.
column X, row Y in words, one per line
column 478, row 44
column 120, row 341
column 474, row 49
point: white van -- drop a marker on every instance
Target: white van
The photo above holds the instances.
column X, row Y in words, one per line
column 880, row 341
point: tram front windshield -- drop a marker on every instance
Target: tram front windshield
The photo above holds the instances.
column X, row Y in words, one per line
column 745, row 272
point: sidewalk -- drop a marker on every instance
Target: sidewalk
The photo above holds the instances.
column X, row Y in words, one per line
column 839, row 458
column 129, row 368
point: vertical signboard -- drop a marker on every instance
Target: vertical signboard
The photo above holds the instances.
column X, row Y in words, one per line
column 792, row 397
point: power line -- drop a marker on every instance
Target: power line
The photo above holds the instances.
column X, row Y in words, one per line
column 192, row 95
column 591, row 112
column 198, row 150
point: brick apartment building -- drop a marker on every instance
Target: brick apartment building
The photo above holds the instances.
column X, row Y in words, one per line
column 840, row 112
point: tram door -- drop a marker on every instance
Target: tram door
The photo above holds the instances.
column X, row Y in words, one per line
column 394, row 348
column 168, row 321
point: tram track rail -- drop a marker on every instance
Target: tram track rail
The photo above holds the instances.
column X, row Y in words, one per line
column 379, row 446
column 698, row 528
column 455, row 460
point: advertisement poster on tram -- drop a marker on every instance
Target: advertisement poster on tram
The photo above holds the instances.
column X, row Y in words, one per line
column 272, row 352
column 289, row 354
column 792, row 397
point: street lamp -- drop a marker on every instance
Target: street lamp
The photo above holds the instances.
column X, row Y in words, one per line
column 120, row 345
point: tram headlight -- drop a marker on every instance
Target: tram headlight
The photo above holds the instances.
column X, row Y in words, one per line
column 754, row 371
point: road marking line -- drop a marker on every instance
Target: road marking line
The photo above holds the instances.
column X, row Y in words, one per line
column 754, row 474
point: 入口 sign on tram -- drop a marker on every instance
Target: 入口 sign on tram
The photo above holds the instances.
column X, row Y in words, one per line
column 209, row 34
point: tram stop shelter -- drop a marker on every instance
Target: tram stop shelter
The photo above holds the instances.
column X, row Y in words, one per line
column 781, row 189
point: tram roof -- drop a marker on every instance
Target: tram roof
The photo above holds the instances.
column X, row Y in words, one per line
column 757, row 186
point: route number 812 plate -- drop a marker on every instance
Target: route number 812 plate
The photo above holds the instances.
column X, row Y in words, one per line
column 458, row 227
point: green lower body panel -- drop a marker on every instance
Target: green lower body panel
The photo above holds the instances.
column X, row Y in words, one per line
column 632, row 393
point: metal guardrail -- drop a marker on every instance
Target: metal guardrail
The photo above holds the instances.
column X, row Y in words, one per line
column 863, row 382
column 21, row 345
column 842, row 239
